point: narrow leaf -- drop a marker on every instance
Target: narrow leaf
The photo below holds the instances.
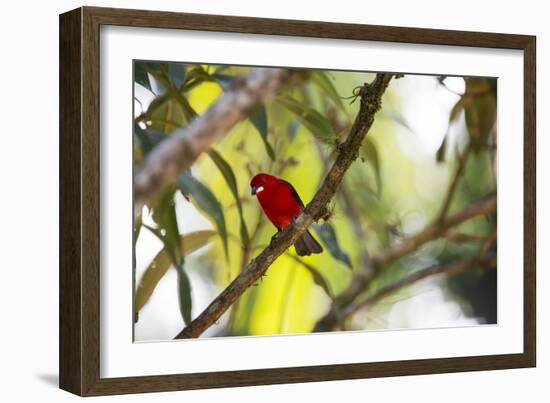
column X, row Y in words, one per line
column 162, row 262
column 177, row 74
column 328, row 235
column 140, row 75
column 323, row 80
column 148, row 138
column 259, row 121
column 184, row 294
column 167, row 113
column 441, row 151
column 455, row 111
column 371, row 154
column 457, row 108
column 316, row 123
column 480, row 111
column 164, row 214
column 206, row 201
column 224, row 80
column 231, row 181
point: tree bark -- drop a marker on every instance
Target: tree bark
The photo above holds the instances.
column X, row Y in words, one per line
column 176, row 154
column 362, row 279
column 347, row 152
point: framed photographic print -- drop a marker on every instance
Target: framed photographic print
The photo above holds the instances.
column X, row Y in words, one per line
column 250, row 201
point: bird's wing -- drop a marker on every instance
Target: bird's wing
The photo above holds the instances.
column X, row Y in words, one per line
column 294, row 193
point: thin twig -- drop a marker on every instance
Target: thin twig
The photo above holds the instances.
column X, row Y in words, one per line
column 361, row 280
column 177, row 153
column 347, row 152
column 454, row 267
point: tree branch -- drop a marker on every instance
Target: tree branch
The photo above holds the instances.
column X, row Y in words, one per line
column 362, row 279
column 454, row 267
column 347, row 152
column 177, row 153
column 454, row 183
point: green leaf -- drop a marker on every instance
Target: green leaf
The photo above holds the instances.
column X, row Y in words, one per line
column 455, row 111
column 204, row 200
column 323, row 80
column 162, row 262
column 328, row 235
column 224, row 80
column 442, row 150
column 184, row 295
column 316, row 123
column 371, row 154
column 188, row 110
column 148, row 139
column 166, row 113
column 136, row 231
column 177, row 74
column 164, row 214
column 480, row 110
column 231, row 181
column 171, row 109
column 140, row 75
column 457, row 108
column 259, row 121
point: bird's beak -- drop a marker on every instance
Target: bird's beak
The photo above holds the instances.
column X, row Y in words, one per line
column 256, row 190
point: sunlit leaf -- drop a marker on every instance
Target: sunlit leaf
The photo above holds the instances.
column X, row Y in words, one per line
column 206, row 201
column 259, row 121
column 316, row 123
column 184, row 294
column 323, row 80
column 171, row 109
column 231, row 181
column 370, row 152
column 195, row 76
column 188, row 110
column 328, row 235
column 162, row 262
column 166, row 113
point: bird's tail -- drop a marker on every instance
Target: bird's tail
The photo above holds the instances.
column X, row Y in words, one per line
column 306, row 245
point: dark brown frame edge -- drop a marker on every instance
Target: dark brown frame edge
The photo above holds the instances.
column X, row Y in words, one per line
column 79, row 200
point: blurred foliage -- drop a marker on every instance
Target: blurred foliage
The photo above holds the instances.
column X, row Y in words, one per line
column 389, row 193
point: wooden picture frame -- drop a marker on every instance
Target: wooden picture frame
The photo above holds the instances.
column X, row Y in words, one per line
column 80, row 199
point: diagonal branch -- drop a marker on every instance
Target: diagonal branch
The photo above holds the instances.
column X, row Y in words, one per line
column 177, row 153
column 362, row 279
column 347, row 152
column 455, row 267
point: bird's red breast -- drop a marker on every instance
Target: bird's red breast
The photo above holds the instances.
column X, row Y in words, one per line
column 277, row 198
column 281, row 203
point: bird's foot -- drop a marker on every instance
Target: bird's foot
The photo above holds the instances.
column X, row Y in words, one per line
column 274, row 237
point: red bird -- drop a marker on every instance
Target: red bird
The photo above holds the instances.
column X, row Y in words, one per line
column 281, row 204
